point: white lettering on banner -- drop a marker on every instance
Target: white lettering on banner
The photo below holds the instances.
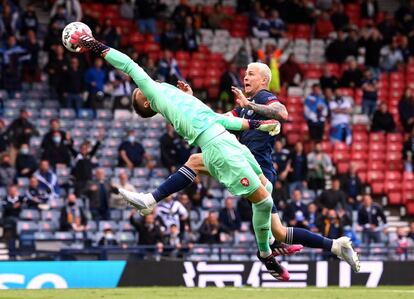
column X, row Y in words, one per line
column 264, row 279
column 374, row 269
column 233, row 274
column 10, row 278
column 322, row 274
column 36, row 282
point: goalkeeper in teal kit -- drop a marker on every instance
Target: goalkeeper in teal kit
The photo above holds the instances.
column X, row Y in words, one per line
column 225, row 158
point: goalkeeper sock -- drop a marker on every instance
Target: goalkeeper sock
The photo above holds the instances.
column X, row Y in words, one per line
column 174, row 183
column 261, row 225
column 307, row 238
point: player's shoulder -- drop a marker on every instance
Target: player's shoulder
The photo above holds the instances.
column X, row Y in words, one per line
column 265, row 97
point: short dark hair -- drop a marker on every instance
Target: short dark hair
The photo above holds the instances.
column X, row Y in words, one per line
column 144, row 113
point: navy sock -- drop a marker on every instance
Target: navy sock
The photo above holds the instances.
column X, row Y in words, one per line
column 175, row 182
column 307, row 238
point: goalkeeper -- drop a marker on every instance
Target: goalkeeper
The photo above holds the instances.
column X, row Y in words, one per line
column 225, row 158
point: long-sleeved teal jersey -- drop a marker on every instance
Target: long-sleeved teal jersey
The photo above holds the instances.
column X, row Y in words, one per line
column 189, row 116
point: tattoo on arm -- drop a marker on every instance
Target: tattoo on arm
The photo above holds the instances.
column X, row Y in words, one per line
column 274, row 111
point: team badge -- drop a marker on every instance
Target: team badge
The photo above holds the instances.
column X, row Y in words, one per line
column 245, row 182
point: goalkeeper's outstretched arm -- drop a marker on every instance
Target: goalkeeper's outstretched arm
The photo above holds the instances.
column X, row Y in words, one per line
column 241, row 124
column 118, row 60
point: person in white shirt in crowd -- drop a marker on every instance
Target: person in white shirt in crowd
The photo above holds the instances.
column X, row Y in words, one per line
column 120, row 89
column 72, row 7
column 341, row 110
column 319, row 167
column 171, row 212
column 116, row 201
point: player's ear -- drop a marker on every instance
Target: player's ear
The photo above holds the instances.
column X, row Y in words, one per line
column 146, row 104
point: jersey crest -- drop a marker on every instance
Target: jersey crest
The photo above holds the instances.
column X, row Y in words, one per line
column 245, row 182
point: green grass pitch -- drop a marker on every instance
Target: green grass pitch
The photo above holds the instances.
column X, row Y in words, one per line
column 213, row 293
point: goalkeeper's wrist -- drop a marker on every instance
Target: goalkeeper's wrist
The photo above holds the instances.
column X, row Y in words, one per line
column 92, row 44
column 254, row 124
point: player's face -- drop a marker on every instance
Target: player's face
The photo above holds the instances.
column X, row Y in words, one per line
column 253, row 81
column 141, row 105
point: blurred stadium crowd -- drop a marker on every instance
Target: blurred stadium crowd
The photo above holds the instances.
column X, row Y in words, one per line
column 344, row 69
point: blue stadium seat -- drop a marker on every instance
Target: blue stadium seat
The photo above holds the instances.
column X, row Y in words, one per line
column 64, row 236
column 86, row 114
column 11, row 113
column 67, row 113
column 48, row 226
column 43, row 236
column 243, row 237
column 141, row 172
column 48, row 113
column 51, row 104
column 126, row 238
column 125, row 226
column 160, row 172
column 35, row 142
column 26, row 226
column 139, row 183
column 149, row 143
column 23, row 182
column 112, row 224
column 126, row 170
column 115, row 214
column 42, row 123
column 91, row 226
column 29, row 214
column 211, row 204
column 50, row 215
column 104, row 114
column 66, row 123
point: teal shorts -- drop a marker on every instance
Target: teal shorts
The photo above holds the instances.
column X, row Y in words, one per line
column 232, row 164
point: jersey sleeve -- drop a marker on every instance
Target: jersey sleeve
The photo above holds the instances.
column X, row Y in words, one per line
column 230, row 123
column 236, row 111
column 270, row 100
column 139, row 76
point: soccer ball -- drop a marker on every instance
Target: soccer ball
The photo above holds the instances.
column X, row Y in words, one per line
column 69, row 30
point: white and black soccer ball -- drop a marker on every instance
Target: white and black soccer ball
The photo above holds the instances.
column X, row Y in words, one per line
column 69, row 30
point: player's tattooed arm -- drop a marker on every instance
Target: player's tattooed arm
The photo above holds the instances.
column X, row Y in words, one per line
column 275, row 110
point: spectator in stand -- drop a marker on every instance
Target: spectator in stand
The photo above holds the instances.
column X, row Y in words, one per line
column 210, row 229
column 169, row 38
column 83, row 165
column 406, row 110
column 95, row 79
column 313, row 217
column 323, row 26
column 4, row 142
column 333, row 198
column 229, row 78
column 145, row 13
column 369, row 9
column 72, row 216
column 295, row 214
column 391, row 57
column 200, row 19
column 57, row 153
column 261, row 25
column 352, row 76
column 110, row 34
column 408, row 152
column 372, row 42
column 189, row 35
column 336, row 51
column 316, row 112
column 229, row 217
column 26, row 163
column 411, row 232
column 56, row 68
column 168, row 70
column 372, row 219
column 170, row 146
column 339, row 18
column 404, row 16
column 403, row 242
column 48, row 180
column 49, row 139
column 369, row 93
column 148, row 229
column 341, row 110
column 383, row 120
column 331, row 226
column 126, row 10
column 280, row 158
column 12, row 56
column 116, row 201
column 298, row 168
column 196, row 192
column 9, row 20
column 353, row 43
column 131, row 152
column 277, row 25
column 218, row 17
column 280, row 194
column 328, row 80
column 52, row 39
column 74, row 86
column 20, row 131
column 245, row 210
column 72, row 8
column 7, row 171
column 291, row 73
column 31, row 65
column 319, row 167
column 387, row 27
column 12, row 205
column 175, row 241
column 59, row 16
column 121, row 89
column 108, row 238
column 98, row 191
column 35, row 196
column 171, row 211
column 352, row 186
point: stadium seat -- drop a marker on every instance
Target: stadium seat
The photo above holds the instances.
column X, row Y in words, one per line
column 107, row 224
column 26, row 226
column 115, row 214
column 395, row 198
column 32, row 215
column 127, row 238
column 50, row 215
column 47, row 226
column 64, row 236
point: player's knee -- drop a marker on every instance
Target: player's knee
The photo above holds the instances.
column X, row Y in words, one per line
column 194, row 163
